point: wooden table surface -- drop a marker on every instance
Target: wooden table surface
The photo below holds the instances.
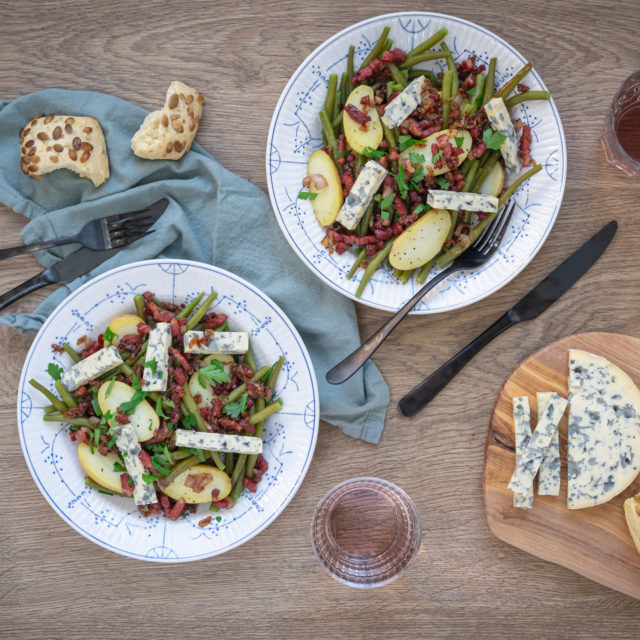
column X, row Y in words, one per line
column 465, row 583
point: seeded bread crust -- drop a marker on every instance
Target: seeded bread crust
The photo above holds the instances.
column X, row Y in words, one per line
column 53, row 142
column 167, row 134
column 632, row 515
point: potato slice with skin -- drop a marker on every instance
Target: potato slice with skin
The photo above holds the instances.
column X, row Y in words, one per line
column 144, row 419
column 216, row 479
column 328, row 202
column 123, row 325
column 100, row 468
column 424, row 149
column 359, row 136
column 420, row 242
column 493, row 184
column 206, row 394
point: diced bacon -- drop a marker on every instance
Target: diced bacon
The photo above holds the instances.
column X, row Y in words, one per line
column 198, row 481
column 127, row 488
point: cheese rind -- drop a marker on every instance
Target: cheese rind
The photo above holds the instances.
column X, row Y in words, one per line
column 228, row 342
column 500, row 121
column 522, row 432
column 523, row 476
column 223, row 442
column 604, row 430
column 364, row 188
column 158, row 350
column 404, row 104
column 127, row 443
column 90, row 368
column 456, row 200
column 549, row 472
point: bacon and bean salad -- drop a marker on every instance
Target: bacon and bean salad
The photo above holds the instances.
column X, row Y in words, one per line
column 167, row 406
column 412, row 167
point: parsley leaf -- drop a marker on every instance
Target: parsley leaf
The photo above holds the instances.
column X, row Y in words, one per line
column 307, row 195
column 213, row 372
column 493, row 139
column 119, row 468
column 159, row 409
column 405, row 142
column 218, row 518
column 416, row 158
column 386, row 203
column 436, row 157
column 385, row 214
column 417, row 177
column 158, row 462
column 153, row 366
column 401, row 181
column 110, row 387
column 109, row 335
column 443, row 182
column 130, row 405
column 234, row 409
column 189, row 421
column 55, row 371
column 95, row 405
column 421, row 207
column 373, row 153
column 459, row 141
column 149, row 477
column 194, row 452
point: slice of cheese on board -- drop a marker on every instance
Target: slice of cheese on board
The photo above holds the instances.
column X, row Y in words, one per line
column 549, row 473
column 522, row 431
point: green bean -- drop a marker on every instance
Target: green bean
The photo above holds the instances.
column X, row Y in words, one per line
column 261, row 416
column 513, row 83
column 190, row 307
column 177, row 469
column 428, row 43
column 527, row 95
column 54, row 400
column 517, row 184
column 405, row 275
column 138, row 300
column 446, row 97
column 179, row 454
column 390, row 136
column 249, row 360
column 67, row 398
column 350, row 69
column 454, row 223
column 141, row 353
column 374, row 263
column 237, row 481
column 229, row 463
column 490, row 82
column 363, row 225
column 356, row 263
column 388, row 44
column 416, row 73
column 328, row 130
column 78, row 422
column 331, row 93
column 199, row 313
column 377, row 48
column 423, row 57
column 471, row 174
column 483, row 172
column 396, row 74
column 344, row 81
column 424, row 272
column 239, row 390
column 480, row 82
column 452, row 67
column 192, row 407
column 73, row 354
column 337, row 121
column 49, row 409
column 217, row 460
column 239, row 468
column 465, row 166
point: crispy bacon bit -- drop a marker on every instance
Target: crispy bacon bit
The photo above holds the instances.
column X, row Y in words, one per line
column 394, row 55
column 372, row 68
column 149, row 509
column 176, row 511
column 145, row 458
column 127, row 488
column 77, row 412
column 184, row 363
column 205, row 522
column 347, row 180
column 144, row 329
column 250, row 484
column 212, row 321
column 198, row 481
column 356, row 115
column 226, row 503
column 523, row 88
column 525, row 146
column 81, row 435
column 479, row 149
column 57, row 348
column 230, row 424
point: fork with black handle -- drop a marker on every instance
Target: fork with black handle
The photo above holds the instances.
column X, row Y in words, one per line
column 111, row 232
column 476, row 255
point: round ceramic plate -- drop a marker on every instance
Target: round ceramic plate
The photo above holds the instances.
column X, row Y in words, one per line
column 295, row 132
column 289, row 436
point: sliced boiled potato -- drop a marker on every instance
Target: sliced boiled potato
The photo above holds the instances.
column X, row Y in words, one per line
column 328, row 202
column 144, row 419
column 359, row 136
column 420, row 242
column 424, row 149
column 123, row 325
column 100, row 468
column 205, row 393
column 198, row 488
column 493, row 184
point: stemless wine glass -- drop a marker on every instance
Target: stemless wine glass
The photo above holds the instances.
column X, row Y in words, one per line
column 366, row 532
column 621, row 135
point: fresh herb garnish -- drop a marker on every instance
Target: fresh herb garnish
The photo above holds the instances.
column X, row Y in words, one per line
column 416, row 158
column 213, row 372
column 158, row 463
column 119, row 468
column 416, row 179
column 159, row 409
column 373, row 153
column 385, row 214
column 341, row 153
column 152, row 365
column 493, row 139
column 234, row 409
column 443, row 182
column 55, row 371
column 108, row 335
column 96, row 406
column 386, row 203
column 404, row 142
column 96, row 437
column 307, row 195
column 437, row 157
column 189, row 421
column 218, row 518
column 149, row 477
column 401, row 181
column 130, row 405
column 195, row 452
column 421, row 207
column 110, row 387
column 459, row 141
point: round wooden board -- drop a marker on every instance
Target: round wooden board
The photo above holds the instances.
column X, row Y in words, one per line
column 594, row 542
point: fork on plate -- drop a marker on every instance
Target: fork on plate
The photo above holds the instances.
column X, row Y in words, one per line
column 476, row 255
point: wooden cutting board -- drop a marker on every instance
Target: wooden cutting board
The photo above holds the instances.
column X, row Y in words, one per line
column 594, row 542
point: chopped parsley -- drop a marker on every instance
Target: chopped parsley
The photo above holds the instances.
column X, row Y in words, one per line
column 110, row 387
column 234, row 409
column 119, row 468
column 443, row 182
column 307, row 195
column 416, row 158
column 213, row 372
column 341, row 153
column 159, row 409
column 404, row 142
column 159, row 463
column 96, row 406
column 459, row 141
column 189, row 421
column 149, row 477
column 195, row 452
column 218, row 518
column 401, row 181
column 130, row 405
column 373, row 153
column 387, row 202
column 437, row 157
column 493, row 139
column 385, row 214
column 108, row 335
column 54, row 371
column 153, row 366
column 422, row 207
column 417, row 177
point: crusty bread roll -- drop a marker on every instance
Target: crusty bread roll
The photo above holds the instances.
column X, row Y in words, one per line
column 632, row 516
column 54, row 142
column 167, row 134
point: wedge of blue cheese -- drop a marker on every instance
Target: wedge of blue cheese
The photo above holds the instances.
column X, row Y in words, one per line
column 223, row 442
column 364, row 188
column 127, row 443
column 604, row 430
column 155, row 376
column 500, row 121
column 525, row 472
column 522, row 432
column 228, row 342
column 456, row 200
column 404, row 104
column 549, row 473
column 96, row 365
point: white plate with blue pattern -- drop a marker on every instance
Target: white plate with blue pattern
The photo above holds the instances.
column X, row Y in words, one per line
column 289, row 436
column 296, row 131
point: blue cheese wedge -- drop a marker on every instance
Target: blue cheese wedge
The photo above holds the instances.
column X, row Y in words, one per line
column 228, row 342
column 549, row 473
column 361, row 194
column 500, row 121
column 604, row 430
column 404, row 104
column 522, row 431
column 456, row 200
column 532, row 456
column 127, row 443
column 90, row 368
column 155, row 376
column 223, row 442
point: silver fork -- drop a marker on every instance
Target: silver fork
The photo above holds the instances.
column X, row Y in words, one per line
column 111, row 232
column 477, row 254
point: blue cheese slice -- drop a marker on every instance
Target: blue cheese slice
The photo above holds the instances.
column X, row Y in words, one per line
column 532, row 456
column 549, row 473
column 96, row 365
column 361, row 194
column 604, row 430
column 155, row 377
column 522, row 431
column 500, row 121
column 228, row 342
column 404, row 104
column 223, row 442
column 456, row 200
column 127, row 443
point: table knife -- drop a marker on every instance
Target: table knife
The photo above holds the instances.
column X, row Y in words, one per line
column 532, row 305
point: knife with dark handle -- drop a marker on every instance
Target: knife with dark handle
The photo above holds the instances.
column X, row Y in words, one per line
column 529, row 307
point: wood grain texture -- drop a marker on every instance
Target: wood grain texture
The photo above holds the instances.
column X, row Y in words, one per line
column 595, row 542
column 465, row 582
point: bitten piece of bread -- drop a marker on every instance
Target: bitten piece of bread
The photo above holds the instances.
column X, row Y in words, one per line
column 632, row 516
column 167, row 134
column 55, row 142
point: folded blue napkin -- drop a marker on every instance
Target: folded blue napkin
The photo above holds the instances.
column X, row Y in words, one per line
column 214, row 216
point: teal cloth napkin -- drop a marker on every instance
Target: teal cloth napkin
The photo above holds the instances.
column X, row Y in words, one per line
column 214, row 216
